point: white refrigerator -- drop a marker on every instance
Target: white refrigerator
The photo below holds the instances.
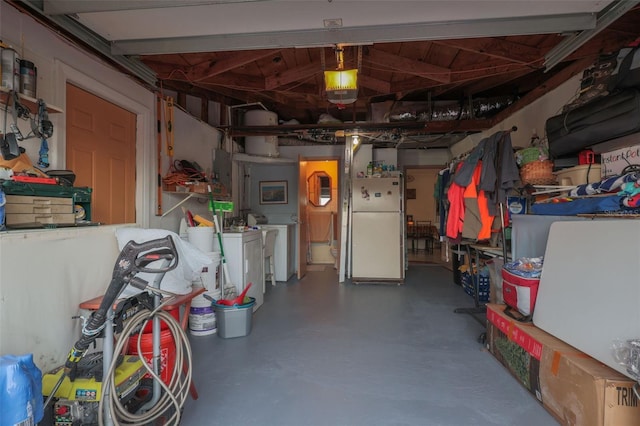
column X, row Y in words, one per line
column 378, row 231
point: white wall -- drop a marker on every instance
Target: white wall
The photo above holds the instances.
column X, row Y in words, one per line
column 388, row 156
column 276, row 213
column 44, row 276
column 422, row 157
column 312, row 151
column 361, row 159
column 195, row 141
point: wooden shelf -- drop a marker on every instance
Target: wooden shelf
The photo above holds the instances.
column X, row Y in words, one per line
column 27, row 101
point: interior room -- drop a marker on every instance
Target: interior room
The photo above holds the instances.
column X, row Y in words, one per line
column 320, row 212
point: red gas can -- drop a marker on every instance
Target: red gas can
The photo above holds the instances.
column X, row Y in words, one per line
column 586, row 157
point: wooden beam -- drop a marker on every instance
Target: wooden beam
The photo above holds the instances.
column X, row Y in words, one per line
column 454, row 126
column 496, row 48
column 382, row 87
column 292, row 75
column 552, row 83
column 238, row 81
column 406, row 65
column 441, row 90
column 204, row 110
column 213, row 68
column 478, row 72
column 485, row 70
column 182, row 100
column 488, row 83
column 411, row 84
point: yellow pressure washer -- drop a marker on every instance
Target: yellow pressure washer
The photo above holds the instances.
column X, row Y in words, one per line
column 80, row 388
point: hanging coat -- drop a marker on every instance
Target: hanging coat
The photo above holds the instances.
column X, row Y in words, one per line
column 455, row 215
column 455, row 218
column 477, row 220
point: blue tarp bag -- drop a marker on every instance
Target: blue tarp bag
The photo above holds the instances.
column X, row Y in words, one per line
column 580, row 206
column 20, row 391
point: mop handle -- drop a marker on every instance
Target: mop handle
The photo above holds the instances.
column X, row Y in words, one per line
column 223, row 258
column 215, row 222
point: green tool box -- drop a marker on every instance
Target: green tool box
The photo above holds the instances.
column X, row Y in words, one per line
column 81, row 195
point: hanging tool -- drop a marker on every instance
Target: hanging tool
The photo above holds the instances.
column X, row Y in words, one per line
column 42, row 128
column 169, row 126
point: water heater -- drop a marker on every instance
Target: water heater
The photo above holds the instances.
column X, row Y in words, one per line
column 266, row 146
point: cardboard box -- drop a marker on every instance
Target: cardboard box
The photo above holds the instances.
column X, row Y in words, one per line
column 199, row 187
column 518, row 347
column 172, row 187
column 575, row 388
column 579, row 390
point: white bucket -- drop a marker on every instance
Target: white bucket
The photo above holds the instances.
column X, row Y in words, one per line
column 201, row 237
column 202, row 320
column 209, row 276
column 200, row 302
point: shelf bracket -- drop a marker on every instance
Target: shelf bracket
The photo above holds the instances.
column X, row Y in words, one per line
column 181, row 202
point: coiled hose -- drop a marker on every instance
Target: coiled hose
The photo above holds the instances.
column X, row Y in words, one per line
column 174, row 394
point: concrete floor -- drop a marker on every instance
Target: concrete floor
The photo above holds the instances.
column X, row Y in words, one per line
column 328, row 354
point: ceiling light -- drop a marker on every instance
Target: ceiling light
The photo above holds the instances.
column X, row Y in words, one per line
column 342, row 85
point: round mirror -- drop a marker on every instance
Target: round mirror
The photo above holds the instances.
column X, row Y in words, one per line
column 319, row 184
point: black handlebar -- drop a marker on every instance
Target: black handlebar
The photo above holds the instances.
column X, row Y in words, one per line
column 133, row 259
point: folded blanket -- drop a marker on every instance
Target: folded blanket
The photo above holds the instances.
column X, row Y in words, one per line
column 611, row 184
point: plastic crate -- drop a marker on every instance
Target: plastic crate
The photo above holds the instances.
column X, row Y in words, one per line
column 483, row 285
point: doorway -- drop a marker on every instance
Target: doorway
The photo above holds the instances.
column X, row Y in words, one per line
column 101, row 150
column 322, row 183
column 423, row 215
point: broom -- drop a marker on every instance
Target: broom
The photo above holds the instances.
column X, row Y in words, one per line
column 223, row 258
